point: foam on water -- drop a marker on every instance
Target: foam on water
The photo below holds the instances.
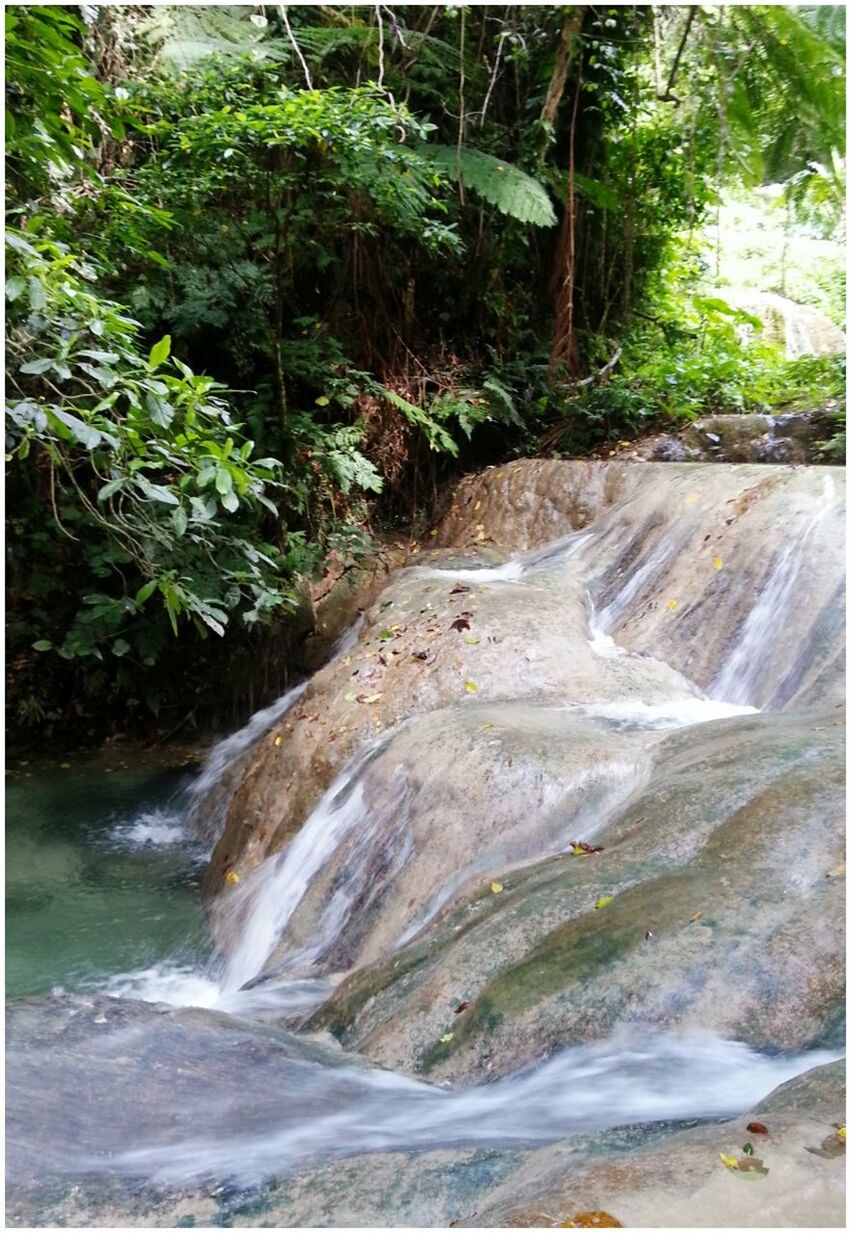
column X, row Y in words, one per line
column 155, row 828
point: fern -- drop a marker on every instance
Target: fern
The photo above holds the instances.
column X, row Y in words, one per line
column 504, row 185
column 186, row 34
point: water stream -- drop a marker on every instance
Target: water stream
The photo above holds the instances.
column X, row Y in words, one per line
column 103, row 896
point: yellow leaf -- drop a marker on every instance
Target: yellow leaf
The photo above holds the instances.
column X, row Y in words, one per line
column 66, row 766
column 672, row 603
column 369, row 698
column 730, row 1161
column 472, row 641
column 840, row 1134
column 604, row 901
column 477, row 506
column 497, row 888
column 486, row 727
column 445, row 1039
column 232, row 878
column 278, row 740
column 433, row 532
column 691, row 498
column 717, row 563
column 471, row 687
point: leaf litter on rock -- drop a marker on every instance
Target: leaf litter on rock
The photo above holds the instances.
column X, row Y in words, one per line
column 578, row 848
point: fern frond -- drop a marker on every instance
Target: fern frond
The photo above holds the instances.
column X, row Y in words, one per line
column 513, row 191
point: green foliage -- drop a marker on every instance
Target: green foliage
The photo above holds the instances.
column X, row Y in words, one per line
column 149, row 480
column 343, row 294
column 507, row 187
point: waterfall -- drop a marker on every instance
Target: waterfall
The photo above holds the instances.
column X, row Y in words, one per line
column 264, row 904
column 741, row 676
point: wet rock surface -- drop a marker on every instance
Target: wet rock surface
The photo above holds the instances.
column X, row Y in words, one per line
column 723, row 858
column 673, row 562
column 137, row 1075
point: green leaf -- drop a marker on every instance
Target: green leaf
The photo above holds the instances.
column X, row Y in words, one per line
column 110, row 489
column 120, row 647
column 15, row 286
column 42, row 645
column 155, row 492
column 180, row 521
column 231, row 502
column 224, row 480
column 144, row 593
column 36, row 367
column 160, row 351
column 82, row 432
column 38, row 295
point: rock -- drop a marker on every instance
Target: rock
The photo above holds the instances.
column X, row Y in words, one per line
column 794, row 437
column 672, row 560
column 722, row 856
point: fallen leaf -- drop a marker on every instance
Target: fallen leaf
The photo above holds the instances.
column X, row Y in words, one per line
column 603, row 901
column 232, row 878
column 756, row 1128
column 278, row 740
column 486, row 727
column 460, row 623
column 349, row 697
column 837, row 872
column 461, row 1006
column 729, row 1161
column 419, row 654
column 385, row 635
column 583, row 849
column 592, row 1220
column 672, row 603
column 648, row 935
column 433, row 532
column 472, row 641
column 497, row 888
column 459, row 589
column 471, row 687
column 368, row 698
column 446, row 1037
column 691, row 498
column 691, row 921
column 748, row 1149
column 840, row 1133
column 66, row 766
column 717, row 563
column 477, row 506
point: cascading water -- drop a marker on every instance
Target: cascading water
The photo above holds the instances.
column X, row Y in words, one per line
column 345, row 1110
column 298, row 907
column 742, row 675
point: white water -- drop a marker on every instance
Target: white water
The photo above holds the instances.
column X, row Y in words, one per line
column 343, row 1110
column 741, row 676
column 267, row 899
column 676, row 713
column 513, row 570
column 155, row 828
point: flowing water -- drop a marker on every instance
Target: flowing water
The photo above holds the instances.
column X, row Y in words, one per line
column 102, row 881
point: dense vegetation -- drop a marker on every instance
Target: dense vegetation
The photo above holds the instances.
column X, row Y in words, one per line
column 273, row 273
